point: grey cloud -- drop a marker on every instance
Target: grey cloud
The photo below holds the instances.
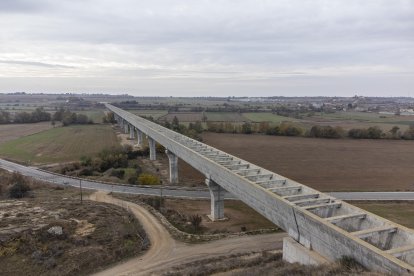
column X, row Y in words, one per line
column 206, row 39
column 37, row 64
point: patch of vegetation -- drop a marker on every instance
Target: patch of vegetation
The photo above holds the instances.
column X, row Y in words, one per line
column 69, row 118
column 148, row 179
column 38, row 115
column 326, row 132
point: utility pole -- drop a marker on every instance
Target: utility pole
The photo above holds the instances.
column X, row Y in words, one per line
column 80, row 187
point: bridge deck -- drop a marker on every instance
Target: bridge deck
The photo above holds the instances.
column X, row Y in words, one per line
column 329, row 226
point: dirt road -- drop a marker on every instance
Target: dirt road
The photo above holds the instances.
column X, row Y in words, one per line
column 165, row 252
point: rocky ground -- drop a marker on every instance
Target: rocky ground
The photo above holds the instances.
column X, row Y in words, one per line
column 52, row 233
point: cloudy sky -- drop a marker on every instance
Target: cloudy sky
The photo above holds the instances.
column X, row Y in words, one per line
column 208, row 48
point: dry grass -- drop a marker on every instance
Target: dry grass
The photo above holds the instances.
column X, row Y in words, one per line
column 60, row 144
column 14, row 131
column 95, row 235
column 264, row 263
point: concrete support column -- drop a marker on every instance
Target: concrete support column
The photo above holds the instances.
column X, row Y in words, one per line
column 152, row 148
column 131, row 132
column 217, row 200
column 139, row 135
column 173, row 160
column 125, row 127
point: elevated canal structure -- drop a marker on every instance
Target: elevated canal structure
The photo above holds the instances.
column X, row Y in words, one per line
column 321, row 227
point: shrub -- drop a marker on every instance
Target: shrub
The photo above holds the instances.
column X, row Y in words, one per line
column 288, row 129
column 132, row 180
column 148, row 179
column 86, row 161
column 85, row 172
column 19, row 187
column 363, row 133
column 326, row 132
column 118, row 173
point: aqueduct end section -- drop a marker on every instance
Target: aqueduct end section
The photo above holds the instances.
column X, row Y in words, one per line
column 320, row 226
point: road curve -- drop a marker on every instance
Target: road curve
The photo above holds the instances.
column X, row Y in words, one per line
column 171, row 191
column 166, row 253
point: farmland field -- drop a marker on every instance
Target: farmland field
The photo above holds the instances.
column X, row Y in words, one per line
column 399, row 212
column 12, row 131
column 266, row 117
column 225, row 117
column 60, row 144
column 153, row 113
column 184, row 116
column 327, row 165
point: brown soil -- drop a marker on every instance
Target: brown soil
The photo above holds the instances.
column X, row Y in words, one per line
column 324, row 164
column 14, row 131
column 166, row 253
column 177, row 211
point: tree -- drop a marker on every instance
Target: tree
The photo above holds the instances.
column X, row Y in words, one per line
column 394, row 131
column 196, row 221
column 409, row 133
column 175, row 125
column 246, row 128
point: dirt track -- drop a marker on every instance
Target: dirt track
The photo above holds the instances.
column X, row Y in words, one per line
column 165, row 252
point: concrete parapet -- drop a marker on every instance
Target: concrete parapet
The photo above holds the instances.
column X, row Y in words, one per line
column 294, row 252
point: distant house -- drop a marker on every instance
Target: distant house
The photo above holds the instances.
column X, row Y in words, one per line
column 406, row 112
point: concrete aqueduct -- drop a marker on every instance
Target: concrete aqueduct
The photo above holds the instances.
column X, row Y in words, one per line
column 320, row 227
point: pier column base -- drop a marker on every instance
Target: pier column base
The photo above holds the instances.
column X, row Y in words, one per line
column 139, row 136
column 294, row 252
column 217, row 200
column 173, row 162
column 153, row 150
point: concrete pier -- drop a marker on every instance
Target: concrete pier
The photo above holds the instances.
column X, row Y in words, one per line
column 294, row 252
column 152, row 148
column 125, row 127
column 139, row 136
column 173, row 161
column 131, row 132
column 217, row 200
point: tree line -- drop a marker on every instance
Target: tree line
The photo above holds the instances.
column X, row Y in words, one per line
column 40, row 115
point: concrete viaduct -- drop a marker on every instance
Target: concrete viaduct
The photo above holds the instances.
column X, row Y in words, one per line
column 320, row 227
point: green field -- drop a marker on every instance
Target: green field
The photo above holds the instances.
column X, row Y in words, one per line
column 61, row 144
column 96, row 115
column 266, row 117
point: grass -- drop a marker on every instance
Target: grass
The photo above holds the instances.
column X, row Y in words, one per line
column 399, row 212
column 62, row 144
column 96, row 115
column 266, row 117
